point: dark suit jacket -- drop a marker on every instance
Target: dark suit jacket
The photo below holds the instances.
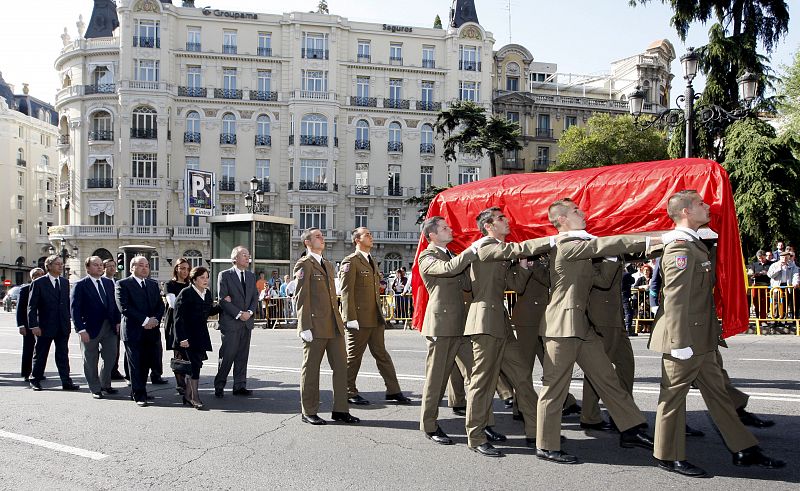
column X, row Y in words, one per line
column 48, row 310
column 136, row 305
column 88, row 310
column 191, row 318
column 22, row 306
column 229, row 284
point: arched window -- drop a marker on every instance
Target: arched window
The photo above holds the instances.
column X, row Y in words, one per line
column 262, row 125
column 391, row 263
column 314, row 125
column 154, row 264
column 395, row 132
column 144, row 123
column 229, row 124
column 193, row 122
column 45, row 161
column 426, row 134
column 362, row 131
column 102, row 128
column 194, row 257
column 102, row 254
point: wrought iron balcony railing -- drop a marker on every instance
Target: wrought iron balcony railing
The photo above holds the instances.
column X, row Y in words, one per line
column 428, row 63
column 99, row 89
column 227, row 94
column 364, row 101
column 261, row 51
column 395, row 146
column 193, row 47
column 227, row 138
column 144, row 133
column 429, row 106
column 263, row 95
column 364, row 58
column 146, row 42
column 229, row 49
column 191, row 137
column 100, row 183
column 468, row 65
column 396, row 103
column 192, row 91
column 101, row 135
column 317, row 141
column 314, row 53
column 227, row 185
column 362, row 145
column 427, row 148
column 263, row 140
column 313, row 186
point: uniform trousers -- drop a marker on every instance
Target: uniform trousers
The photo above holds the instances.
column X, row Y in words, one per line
column 460, row 375
column 618, row 348
column 101, row 347
column 41, row 351
column 530, row 344
column 676, row 380
column 738, row 397
column 313, row 353
column 233, row 352
column 561, row 354
column 439, row 365
column 357, row 342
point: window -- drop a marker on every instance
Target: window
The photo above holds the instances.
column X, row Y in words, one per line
column 364, row 52
column 228, row 124
column 146, row 34
column 49, row 185
column 315, row 80
column 394, row 181
column 20, row 227
column 312, row 216
column 44, row 161
column 102, row 79
column 426, row 144
column 392, row 262
column 313, row 171
column 194, row 257
column 362, row 178
column 228, row 208
column 362, row 87
column 570, row 121
column 229, row 41
column 469, row 57
column 395, row 89
column 263, row 130
column 393, row 220
column 228, row 171
column 512, row 83
column 20, row 202
column 362, row 134
column 395, row 132
column 396, row 54
column 192, row 162
column 425, row 177
column 144, row 123
column 513, row 117
column 544, row 122
column 315, row 46
column 360, row 214
column 20, row 179
column 144, row 165
column 102, row 128
column 467, row 174
column 314, row 125
column 146, row 70
column 264, row 44
column 192, row 127
column 192, row 221
column 50, row 206
column 262, row 174
column 264, row 80
column 543, row 155
column 428, row 57
column 229, row 78
column 427, row 91
column 100, row 175
column 194, row 77
column 470, row 91
column 102, row 219
column 143, row 212
column 193, row 39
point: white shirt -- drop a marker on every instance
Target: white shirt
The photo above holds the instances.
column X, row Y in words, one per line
column 365, row 254
column 201, row 293
column 316, row 256
column 693, row 235
column 96, row 287
column 53, row 279
column 142, row 283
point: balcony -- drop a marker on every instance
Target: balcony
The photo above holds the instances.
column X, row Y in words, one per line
column 396, row 103
column 227, row 185
column 150, row 231
column 316, row 95
column 513, row 163
column 69, row 231
column 101, row 136
column 144, row 133
column 429, row 106
column 470, row 66
column 395, row 147
column 314, row 53
column 192, row 92
column 428, row 63
column 364, row 101
column 396, row 60
column 227, row 94
column 188, row 232
column 543, row 133
column 395, row 236
column 315, row 141
column 100, row 183
column 427, row 148
column 63, row 188
column 193, row 47
column 329, row 234
column 227, row 138
column 146, row 42
column 362, row 145
column 263, row 95
column 313, row 186
column 263, row 140
column 191, row 137
column 291, row 139
column 364, row 58
column 142, row 182
column 541, row 165
column 395, row 191
column 63, row 140
column 361, row 190
column 99, row 89
column 229, row 49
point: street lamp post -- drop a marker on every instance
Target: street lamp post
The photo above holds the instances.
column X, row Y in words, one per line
column 254, row 198
column 703, row 113
column 64, row 253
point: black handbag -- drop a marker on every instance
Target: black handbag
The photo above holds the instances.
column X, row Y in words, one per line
column 180, row 367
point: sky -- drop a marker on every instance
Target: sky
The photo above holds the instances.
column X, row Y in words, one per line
column 580, row 36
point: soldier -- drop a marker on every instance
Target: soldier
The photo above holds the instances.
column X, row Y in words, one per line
column 361, row 309
column 686, row 332
column 321, row 329
column 568, row 338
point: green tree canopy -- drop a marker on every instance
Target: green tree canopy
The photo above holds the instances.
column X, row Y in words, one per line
column 437, row 22
column 607, row 140
column 423, row 202
column 790, row 96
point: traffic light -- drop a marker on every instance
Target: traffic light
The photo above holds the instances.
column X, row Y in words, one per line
column 121, row 261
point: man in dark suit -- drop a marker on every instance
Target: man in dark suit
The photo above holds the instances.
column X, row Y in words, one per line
column 139, row 301
column 96, row 318
column 48, row 320
column 28, row 339
column 238, row 298
column 110, row 266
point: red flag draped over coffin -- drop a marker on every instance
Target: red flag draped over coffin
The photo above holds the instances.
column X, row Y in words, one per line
column 618, row 199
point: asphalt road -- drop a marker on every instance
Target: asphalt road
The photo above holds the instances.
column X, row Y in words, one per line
column 259, row 442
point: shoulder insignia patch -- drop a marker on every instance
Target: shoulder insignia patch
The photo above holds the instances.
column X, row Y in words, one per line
column 430, row 259
column 345, row 267
column 681, row 262
column 300, row 274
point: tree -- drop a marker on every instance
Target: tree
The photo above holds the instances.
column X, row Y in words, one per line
column 607, row 140
column 437, row 22
column 765, row 178
column 322, row 7
column 423, row 202
column 467, row 130
column 790, row 96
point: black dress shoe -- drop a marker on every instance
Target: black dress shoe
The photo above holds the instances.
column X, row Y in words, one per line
column 681, row 467
column 97, row 395
column 117, row 376
column 439, row 437
column 358, row 400
column 242, row 392
column 344, row 417
column 110, row 390
column 36, row 385
column 492, row 435
column 487, row 450
column 159, row 381
column 399, row 398
column 219, row 393
column 508, row 402
column 571, row 409
column 141, row 403
column 750, row 419
column 556, row 456
column 70, row 386
column 601, row 426
column 313, row 419
column 753, row 456
column 692, row 432
column 635, row 438
column 460, row 410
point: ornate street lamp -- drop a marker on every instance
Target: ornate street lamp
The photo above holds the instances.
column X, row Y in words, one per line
column 254, row 198
column 64, row 253
column 704, row 113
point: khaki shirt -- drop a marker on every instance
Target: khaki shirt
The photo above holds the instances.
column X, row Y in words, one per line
column 315, row 298
column 360, row 286
column 532, row 299
column 605, row 299
column 445, row 279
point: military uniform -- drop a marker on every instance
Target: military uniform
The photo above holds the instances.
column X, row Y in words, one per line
column 443, row 326
column 361, row 301
column 493, row 342
column 568, row 338
column 605, row 315
column 687, row 318
column 317, row 311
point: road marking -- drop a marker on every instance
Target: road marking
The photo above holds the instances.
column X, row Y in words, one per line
column 407, row 351
column 53, row 446
column 767, row 359
column 400, row 376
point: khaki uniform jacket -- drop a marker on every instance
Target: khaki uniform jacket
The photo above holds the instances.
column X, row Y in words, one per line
column 490, row 276
column 532, row 300
column 687, row 317
column 445, row 279
column 605, row 299
column 361, row 291
column 571, row 279
column 315, row 298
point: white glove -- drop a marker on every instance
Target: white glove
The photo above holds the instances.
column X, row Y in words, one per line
column 171, row 300
column 682, row 353
column 553, row 240
column 433, row 338
column 581, row 234
column 654, row 310
column 352, row 325
column 674, row 235
column 611, row 258
column 306, row 336
column 477, row 244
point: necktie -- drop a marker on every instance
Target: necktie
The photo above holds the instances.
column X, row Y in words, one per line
column 101, row 291
column 371, row 264
column 58, row 288
column 242, row 280
column 142, row 284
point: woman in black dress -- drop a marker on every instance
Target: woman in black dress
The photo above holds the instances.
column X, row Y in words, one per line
column 179, row 281
column 193, row 306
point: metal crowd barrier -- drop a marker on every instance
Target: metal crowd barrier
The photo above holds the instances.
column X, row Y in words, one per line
column 275, row 312
column 776, row 305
